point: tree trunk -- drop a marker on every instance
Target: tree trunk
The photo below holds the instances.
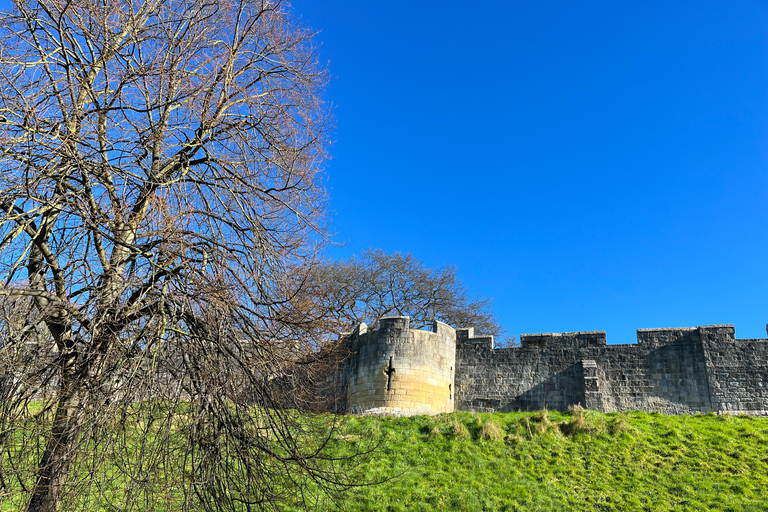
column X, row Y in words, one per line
column 53, row 466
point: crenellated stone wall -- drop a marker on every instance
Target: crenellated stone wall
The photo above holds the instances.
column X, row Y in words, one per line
column 399, row 370
column 737, row 371
column 674, row 371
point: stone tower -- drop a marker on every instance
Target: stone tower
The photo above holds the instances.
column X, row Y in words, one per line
column 402, row 371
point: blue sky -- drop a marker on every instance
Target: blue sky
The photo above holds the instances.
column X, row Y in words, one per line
column 588, row 165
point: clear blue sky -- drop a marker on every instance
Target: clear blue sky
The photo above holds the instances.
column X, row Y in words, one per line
column 588, row 165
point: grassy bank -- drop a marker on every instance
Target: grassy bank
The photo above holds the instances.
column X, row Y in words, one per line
column 562, row 461
column 579, row 460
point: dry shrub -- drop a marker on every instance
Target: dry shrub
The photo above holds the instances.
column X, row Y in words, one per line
column 580, row 424
column 491, row 432
column 459, row 430
column 577, row 425
column 542, row 422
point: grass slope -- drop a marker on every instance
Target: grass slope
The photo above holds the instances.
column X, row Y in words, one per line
column 577, row 460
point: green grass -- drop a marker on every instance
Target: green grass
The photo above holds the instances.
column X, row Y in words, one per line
column 562, row 461
column 579, row 460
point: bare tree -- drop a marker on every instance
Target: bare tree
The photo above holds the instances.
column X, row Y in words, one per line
column 160, row 197
column 378, row 284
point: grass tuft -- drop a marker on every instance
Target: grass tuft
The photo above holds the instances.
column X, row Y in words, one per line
column 490, row 431
column 459, row 430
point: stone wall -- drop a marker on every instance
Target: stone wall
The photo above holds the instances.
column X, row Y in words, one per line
column 546, row 371
column 663, row 372
column 737, row 371
column 398, row 370
column 674, row 371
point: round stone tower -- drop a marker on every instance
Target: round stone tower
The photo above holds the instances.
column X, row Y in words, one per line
column 398, row 370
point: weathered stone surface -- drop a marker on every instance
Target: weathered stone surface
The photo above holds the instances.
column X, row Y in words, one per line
column 397, row 370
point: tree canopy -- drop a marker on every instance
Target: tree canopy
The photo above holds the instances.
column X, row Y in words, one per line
column 160, row 200
column 376, row 284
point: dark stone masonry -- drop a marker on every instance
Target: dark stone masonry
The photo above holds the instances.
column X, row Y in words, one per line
column 673, row 371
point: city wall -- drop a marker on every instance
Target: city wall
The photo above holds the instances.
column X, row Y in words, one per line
column 397, row 370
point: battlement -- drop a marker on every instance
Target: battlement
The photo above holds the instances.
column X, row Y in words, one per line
column 394, row 323
column 400, row 325
column 656, row 337
column 665, row 336
column 467, row 335
column 399, row 370
column 565, row 340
